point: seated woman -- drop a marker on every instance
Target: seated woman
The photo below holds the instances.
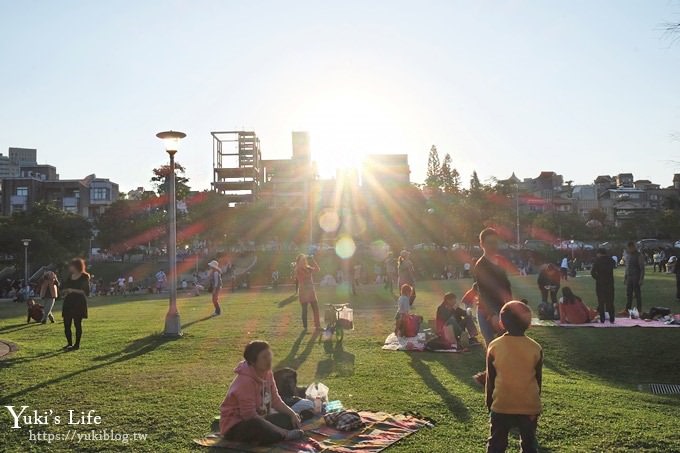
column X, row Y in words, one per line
column 403, row 309
column 573, row 310
column 246, row 412
column 452, row 320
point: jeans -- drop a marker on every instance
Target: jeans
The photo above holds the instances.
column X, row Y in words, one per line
column 49, row 305
column 67, row 330
column 315, row 311
column 633, row 289
column 468, row 323
column 216, row 300
column 257, row 431
column 486, row 328
column 500, row 428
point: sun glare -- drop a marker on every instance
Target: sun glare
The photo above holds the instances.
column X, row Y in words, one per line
column 347, row 126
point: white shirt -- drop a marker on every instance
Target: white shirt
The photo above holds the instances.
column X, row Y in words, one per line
column 565, row 263
column 466, row 266
column 130, row 279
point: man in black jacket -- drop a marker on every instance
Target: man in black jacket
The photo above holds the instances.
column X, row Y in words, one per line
column 603, row 273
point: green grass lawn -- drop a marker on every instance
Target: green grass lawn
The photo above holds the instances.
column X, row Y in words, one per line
column 139, row 382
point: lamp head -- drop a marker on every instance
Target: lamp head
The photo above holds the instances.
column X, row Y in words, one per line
column 26, row 242
column 171, row 140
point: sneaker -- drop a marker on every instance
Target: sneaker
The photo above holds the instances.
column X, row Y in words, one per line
column 216, row 313
column 480, row 378
column 75, row 347
column 67, row 347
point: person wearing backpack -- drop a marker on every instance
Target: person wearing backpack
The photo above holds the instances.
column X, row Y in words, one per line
column 215, row 285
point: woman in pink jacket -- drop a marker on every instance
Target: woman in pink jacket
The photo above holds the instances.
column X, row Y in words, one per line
column 246, row 412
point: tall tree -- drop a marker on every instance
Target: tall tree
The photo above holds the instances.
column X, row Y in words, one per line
column 160, row 180
column 475, row 183
column 450, row 178
column 433, row 179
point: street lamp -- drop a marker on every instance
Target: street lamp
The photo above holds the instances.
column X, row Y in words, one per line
column 26, row 243
column 173, row 327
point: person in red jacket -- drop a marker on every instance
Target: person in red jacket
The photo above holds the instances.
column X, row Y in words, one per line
column 573, row 310
column 246, row 412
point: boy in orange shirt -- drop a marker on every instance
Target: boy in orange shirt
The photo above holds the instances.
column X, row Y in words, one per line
column 514, row 367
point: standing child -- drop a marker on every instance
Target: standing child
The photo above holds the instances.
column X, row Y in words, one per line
column 34, row 311
column 215, row 285
column 514, row 367
column 403, row 309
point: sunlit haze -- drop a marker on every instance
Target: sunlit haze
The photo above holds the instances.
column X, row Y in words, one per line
column 581, row 88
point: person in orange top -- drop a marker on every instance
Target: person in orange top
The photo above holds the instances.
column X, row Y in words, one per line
column 573, row 310
column 514, row 367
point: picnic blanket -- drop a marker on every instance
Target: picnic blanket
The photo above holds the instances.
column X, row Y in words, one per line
column 417, row 343
column 381, row 431
column 620, row 322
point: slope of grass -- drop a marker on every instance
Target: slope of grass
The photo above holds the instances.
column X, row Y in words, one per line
column 139, row 382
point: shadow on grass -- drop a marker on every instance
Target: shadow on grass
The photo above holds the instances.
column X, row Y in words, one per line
column 133, row 350
column 454, row 404
column 340, row 361
column 10, row 361
column 287, row 300
column 196, row 321
column 17, row 327
column 293, row 359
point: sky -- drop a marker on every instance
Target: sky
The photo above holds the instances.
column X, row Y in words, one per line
column 579, row 87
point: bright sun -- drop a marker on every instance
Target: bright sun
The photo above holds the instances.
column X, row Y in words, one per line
column 347, row 126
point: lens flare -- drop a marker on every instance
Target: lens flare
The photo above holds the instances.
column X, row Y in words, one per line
column 345, row 247
column 329, row 221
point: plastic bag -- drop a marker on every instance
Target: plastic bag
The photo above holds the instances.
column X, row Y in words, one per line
column 315, row 390
column 633, row 313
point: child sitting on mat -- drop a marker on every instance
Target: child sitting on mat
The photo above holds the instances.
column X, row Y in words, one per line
column 403, row 309
column 514, row 368
column 452, row 321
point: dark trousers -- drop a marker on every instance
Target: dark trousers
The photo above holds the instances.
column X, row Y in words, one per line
column 501, row 424
column 258, row 431
column 551, row 292
column 605, row 303
column 677, row 284
column 633, row 289
column 315, row 311
column 67, row 329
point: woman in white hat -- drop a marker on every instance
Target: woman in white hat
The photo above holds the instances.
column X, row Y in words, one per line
column 215, row 285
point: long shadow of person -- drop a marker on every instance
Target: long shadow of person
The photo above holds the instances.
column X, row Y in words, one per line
column 287, row 300
column 454, row 404
column 295, row 360
column 134, row 349
column 196, row 321
column 16, row 327
column 8, row 362
column 340, row 361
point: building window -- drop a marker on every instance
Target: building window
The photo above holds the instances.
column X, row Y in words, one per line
column 22, row 191
column 99, row 194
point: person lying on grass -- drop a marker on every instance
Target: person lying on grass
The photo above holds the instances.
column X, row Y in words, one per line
column 246, row 412
column 514, row 368
column 452, row 320
column 403, row 309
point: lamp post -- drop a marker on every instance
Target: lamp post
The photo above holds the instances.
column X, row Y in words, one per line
column 26, row 243
column 517, row 212
column 173, row 327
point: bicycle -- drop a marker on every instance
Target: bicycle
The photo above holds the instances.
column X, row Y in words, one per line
column 334, row 323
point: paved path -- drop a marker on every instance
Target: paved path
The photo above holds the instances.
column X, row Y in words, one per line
column 6, row 348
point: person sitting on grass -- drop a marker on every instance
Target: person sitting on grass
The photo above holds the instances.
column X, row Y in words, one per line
column 34, row 311
column 573, row 310
column 452, row 320
column 403, row 309
column 514, row 368
column 246, row 412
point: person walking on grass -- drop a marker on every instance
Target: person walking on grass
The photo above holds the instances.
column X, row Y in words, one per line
column 514, row 366
column 494, row 290
column 76, row 289
column 406, row 273
column 49, row 293
column 390, row 272
column 603, row 273
column 304, row 272
column 633, row 277
column 215, row 285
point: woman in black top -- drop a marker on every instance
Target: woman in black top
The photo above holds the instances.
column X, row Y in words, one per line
column 76, row 288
